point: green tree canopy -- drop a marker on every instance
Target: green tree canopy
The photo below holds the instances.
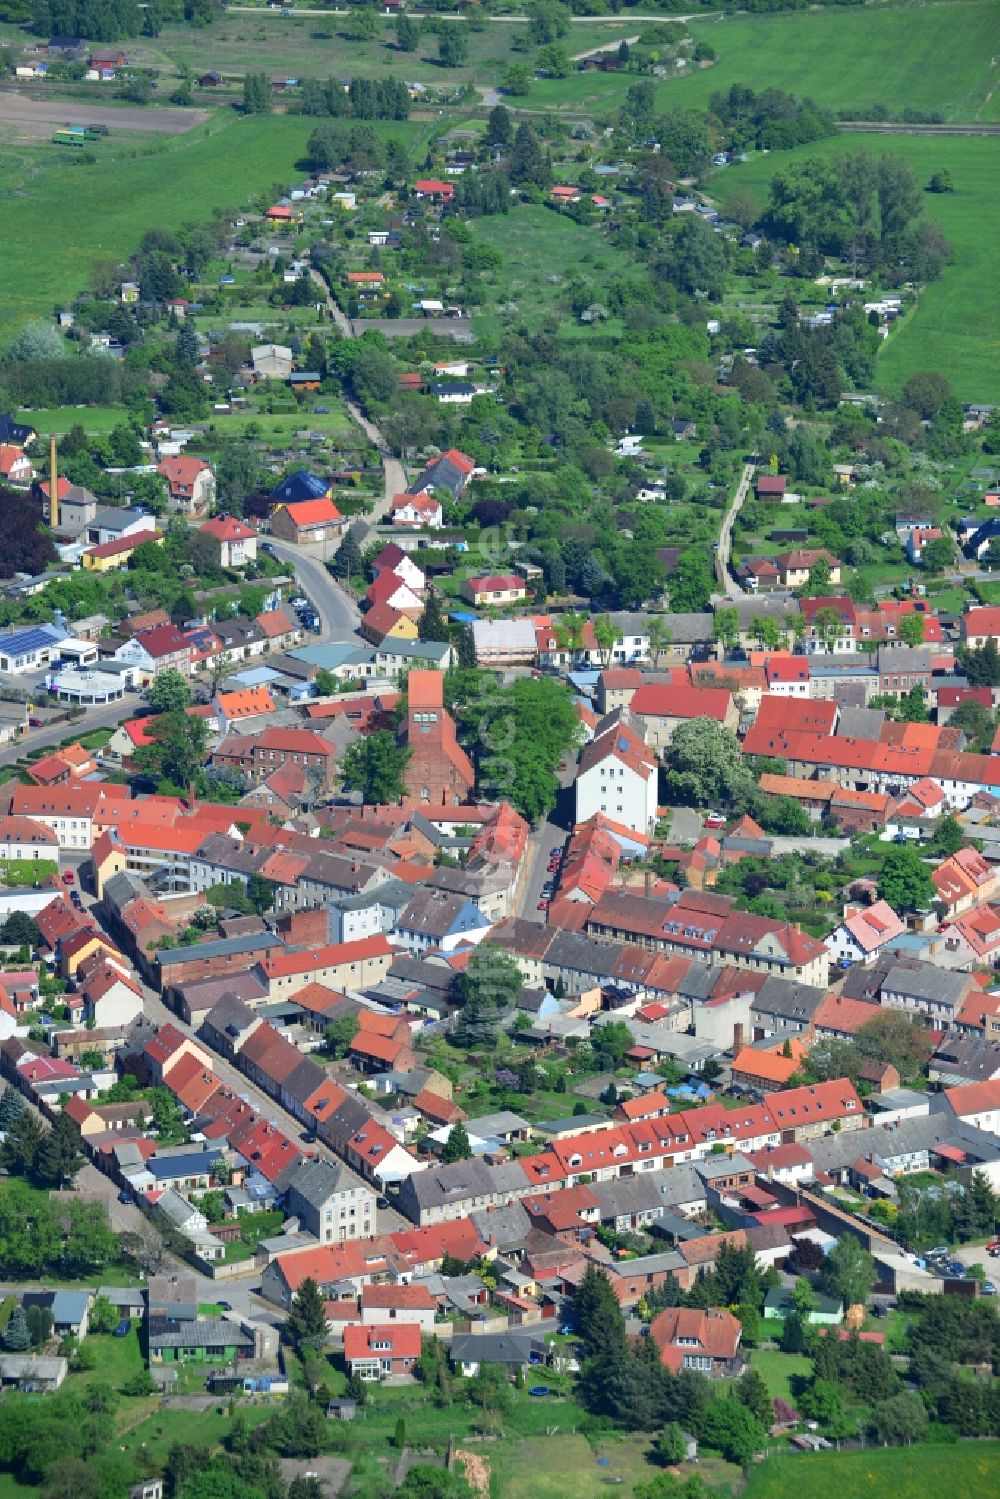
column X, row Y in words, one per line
column 905, row 880
column 375, row 766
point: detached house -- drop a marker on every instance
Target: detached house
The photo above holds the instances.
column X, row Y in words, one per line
column 237, row 542
column 381, row 1350
column 708, row 1341
column 502, row 588
column 416, row 512
column 863, row 934
column 190, row 483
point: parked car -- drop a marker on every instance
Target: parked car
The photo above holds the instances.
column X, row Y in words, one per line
column 554, row 853
column 543, row 905
column 69, row 878
column 993, row 1248
column 714, row 820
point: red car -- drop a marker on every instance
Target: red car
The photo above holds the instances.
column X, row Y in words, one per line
column 993, row 1248
column 69, row 878
column 715, row 820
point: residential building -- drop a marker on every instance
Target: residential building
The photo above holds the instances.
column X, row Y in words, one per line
column 237, row 542
column 328, row 1203
column 494, row 589
column 618, row 777
column 707, row 1341
column 190, row 484
column 381, row 1350
column 864, row 932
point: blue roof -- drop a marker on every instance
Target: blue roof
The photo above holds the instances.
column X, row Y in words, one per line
column 335, row 653
column 174, row 1165
column 21, row 642
column 256, row 676
column 69, row 1306
column 297, row 487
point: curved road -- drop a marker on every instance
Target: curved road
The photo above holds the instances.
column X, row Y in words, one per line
column 392, row 469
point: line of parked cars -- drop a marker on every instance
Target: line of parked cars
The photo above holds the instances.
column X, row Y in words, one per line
column 549, row 888
column 941, row 1261
column 306, row 613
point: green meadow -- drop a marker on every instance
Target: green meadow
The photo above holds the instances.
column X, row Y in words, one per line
column 956, row 326
column 965, row 1470
column 930, row 57
column 63, row 215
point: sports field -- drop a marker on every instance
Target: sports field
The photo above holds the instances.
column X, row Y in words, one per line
column 68, row 213
column 932, row 57
column 956, row 328
column 966, row 1470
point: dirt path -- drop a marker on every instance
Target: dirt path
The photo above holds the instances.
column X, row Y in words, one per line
column 879, row 127
column 36, row 118
column 733, row 589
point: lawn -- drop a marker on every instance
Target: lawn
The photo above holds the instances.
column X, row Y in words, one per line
column 204, row 1429
column 933, row 58
column 117, row 1358
column 171, row 182
column 567, row 1467
column 956, row 326
column 96, row 421
column 967, row 1470
column 779, row 1369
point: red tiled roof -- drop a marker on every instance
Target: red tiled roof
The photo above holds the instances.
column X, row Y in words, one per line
column 124, row 544
column 656, row 701
column 313, row 512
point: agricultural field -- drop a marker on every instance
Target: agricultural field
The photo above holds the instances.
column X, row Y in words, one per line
column 956, row 326
column 124, row 191
column 967, row 1470
column 844, row 59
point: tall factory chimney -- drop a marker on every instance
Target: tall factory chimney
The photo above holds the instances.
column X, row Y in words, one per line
column 53, row 485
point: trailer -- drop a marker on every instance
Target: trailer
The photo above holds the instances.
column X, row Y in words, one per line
column 69, row 138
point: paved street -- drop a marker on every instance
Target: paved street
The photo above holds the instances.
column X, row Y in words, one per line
column 108, row 717
column 338, row 614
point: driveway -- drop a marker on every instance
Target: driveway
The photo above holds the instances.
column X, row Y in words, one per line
column 685, row 825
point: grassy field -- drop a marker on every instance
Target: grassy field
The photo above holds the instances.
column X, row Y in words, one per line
column 316, row 47
column 956, row 327
column 931, row 57
column 541, row 250
column 81, row 213
column 968, row 1470
column 779, row 1369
